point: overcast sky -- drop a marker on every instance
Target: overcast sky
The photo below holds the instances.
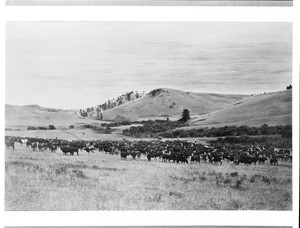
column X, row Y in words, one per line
column 81, row 64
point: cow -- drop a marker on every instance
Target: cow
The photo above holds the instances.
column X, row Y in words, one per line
column 53, row 148
column 164, row 157
column 181, row 159
column 261, row 160
column 172, row 157
column 274, row 161
column 124, row 155
column 149, row 157
column 34, row 145
column 89, row 149
column 70, row 150
column 10, row 143
column 195, row 158
column 134, row 154
column 216, row 159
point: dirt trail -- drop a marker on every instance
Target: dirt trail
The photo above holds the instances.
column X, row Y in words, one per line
column 71, row 134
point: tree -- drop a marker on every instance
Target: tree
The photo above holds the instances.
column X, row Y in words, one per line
column 101, row 116
column 185, row 116
column 98, row 112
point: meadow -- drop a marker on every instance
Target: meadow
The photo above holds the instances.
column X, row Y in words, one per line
column 51, row 181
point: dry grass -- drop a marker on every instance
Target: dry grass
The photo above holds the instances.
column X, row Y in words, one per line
column 170, row 102
column 270, row 108
column 51, row 181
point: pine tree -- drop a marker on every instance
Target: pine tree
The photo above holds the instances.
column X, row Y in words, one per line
column 185, row 115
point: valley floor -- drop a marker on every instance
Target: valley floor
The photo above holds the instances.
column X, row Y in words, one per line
column 52, row 181
column 88, row 134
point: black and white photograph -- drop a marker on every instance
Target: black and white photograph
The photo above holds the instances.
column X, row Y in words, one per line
column 244, row 3
column 124, row 116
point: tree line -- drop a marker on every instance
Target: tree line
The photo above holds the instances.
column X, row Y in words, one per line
column 109, row 104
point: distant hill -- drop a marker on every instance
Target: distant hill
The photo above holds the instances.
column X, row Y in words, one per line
column 38, row 107
column 170, row 102
column 270, row 108
column 20, row 117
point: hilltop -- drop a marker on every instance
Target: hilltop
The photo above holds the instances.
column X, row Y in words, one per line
column 165, row 102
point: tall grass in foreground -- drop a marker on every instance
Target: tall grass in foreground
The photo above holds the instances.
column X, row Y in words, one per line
column 45, row 181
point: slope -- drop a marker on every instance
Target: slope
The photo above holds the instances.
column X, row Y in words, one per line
column 271, row 108
column 170, row 102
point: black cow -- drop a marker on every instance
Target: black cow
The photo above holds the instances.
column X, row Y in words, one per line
column 172, row 157
column 261, row 160
column 70, row 150
column 273, row 161
column 181, row 159
column 216, row 159
column 149, row 157
column 124, row 155
column 195, row 158
column 164, row 157
column 247, row 160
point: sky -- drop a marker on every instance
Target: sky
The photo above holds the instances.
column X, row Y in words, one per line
column 81, row 64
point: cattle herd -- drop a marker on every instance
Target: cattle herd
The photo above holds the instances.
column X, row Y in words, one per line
column 166, row 151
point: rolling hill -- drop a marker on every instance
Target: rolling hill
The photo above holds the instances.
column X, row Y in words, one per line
column 169, row 103
column 271, row 108
column 206, row 110
column 20, row 117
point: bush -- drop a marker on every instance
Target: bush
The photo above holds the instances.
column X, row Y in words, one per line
column 234, row 174
column 231, row 132
column 51, row 127
column 227, row 180
column 88, row 126
column 31, row 128
column 154, row 128
column 42, row 128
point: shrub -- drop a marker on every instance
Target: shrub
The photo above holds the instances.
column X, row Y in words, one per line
column 51, row 127
column 227, row 180
column 234, row 174
column 42, row 128
column 32, row 128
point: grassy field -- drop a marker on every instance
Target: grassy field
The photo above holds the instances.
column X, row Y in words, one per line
column 51, row 181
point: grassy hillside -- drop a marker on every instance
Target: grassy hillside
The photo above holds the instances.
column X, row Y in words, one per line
column 207, row 110
column 271, row 108
column 169, row 102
